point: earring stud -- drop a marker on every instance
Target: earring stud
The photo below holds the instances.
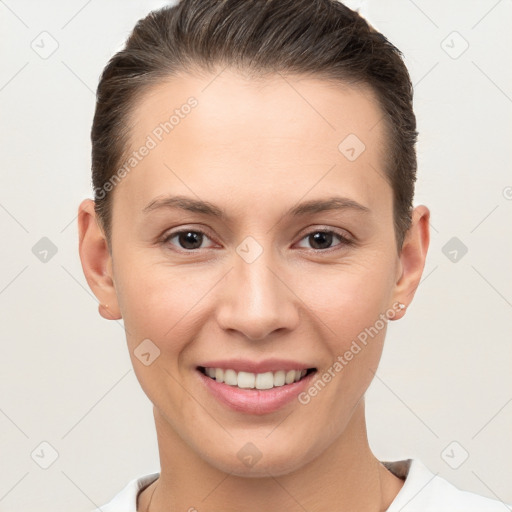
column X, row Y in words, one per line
column 401, row 306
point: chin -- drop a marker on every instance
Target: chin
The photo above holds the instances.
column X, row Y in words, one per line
column 249, row 462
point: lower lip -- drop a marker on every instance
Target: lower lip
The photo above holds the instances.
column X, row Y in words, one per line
column 255, row 401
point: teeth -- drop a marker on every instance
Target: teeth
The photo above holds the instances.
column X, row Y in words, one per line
column 230, row 377
column 264, row 380
column 279, row 378
column 247, row 380
column 290, row 377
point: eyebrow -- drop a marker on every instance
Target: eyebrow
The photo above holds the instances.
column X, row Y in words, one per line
column 206, row 208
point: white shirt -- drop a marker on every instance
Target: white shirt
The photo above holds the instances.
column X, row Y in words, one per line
column 423, row 491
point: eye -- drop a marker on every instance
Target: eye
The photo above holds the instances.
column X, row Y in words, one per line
column 190, row 240
column 187, row 239
column 323, row 239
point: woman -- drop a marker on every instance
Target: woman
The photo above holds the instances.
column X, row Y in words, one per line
column 254, row 170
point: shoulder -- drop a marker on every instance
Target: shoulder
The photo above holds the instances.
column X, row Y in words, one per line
column 426, row 491
column 423, row 491
column 126, row 499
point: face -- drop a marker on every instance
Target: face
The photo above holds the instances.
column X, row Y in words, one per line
column 255, row 235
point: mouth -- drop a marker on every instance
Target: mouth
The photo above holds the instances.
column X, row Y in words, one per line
column 258, row 381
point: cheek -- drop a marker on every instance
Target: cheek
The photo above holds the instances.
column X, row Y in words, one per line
column 160, row 303
column 350, row 303
column 349, row 312
column 349, row 296
column 158, row 300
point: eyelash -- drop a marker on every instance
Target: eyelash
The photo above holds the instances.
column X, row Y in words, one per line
column 344, row 241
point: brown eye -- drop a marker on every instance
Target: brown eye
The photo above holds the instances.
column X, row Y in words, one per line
column 323, row 240
column 186, row 239
column 190, row 239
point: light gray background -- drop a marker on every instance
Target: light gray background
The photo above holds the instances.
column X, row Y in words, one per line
column 66, row 377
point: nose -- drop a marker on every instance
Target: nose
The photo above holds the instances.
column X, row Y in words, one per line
column 256, row 299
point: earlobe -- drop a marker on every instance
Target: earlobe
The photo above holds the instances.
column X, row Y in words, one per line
column 96, row 261
column 412, row 257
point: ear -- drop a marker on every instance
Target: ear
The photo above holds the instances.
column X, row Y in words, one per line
column 97, row 260
column 412, row 257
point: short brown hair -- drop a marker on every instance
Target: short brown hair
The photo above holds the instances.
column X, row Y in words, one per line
column 320, row 38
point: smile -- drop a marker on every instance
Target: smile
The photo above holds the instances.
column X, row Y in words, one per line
column 260, row 381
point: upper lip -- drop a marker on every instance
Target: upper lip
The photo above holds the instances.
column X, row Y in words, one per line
column 246, row 365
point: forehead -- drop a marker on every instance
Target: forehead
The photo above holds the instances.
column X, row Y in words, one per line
column 284, row 105
column 226, row 134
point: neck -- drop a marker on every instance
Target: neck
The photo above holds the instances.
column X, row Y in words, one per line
column 345, row 477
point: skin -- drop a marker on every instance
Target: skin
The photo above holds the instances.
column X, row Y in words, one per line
column 257, row 149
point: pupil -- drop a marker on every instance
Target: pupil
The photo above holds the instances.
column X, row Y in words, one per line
column 190, row 238
column 322, row 239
